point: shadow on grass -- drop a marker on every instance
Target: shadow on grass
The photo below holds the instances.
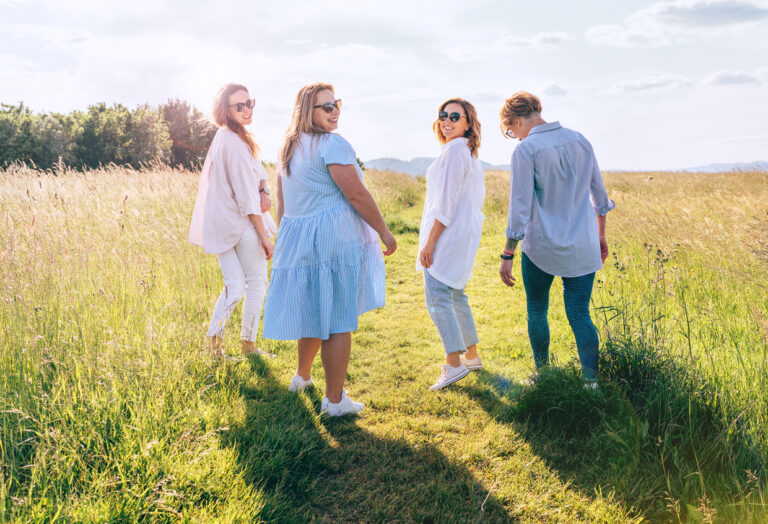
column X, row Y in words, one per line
column 655, row 435
column 318, row 469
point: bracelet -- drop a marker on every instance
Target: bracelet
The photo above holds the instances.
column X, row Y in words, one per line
column 505, row 256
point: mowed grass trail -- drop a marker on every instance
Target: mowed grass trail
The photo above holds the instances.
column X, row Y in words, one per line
column 111, row 411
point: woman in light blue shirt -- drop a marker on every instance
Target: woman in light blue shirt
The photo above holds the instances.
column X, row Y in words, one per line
column 557, row 207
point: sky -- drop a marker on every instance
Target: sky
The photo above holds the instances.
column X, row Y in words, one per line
column 652, row 85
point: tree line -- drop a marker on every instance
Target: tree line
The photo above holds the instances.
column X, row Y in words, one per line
column 174, row 133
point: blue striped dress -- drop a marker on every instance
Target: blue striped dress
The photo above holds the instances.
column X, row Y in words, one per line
column 327, row 267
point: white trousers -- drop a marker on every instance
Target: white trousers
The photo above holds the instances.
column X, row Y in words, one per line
column 244, row 268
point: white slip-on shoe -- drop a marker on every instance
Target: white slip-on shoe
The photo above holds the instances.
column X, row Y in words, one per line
column 472, row 363
column 449, row 375
column 298, row 384
column 346, row 406
column 260, row 352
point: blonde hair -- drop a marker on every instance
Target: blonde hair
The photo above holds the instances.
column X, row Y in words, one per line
column 520, row 105
column 472, row 134
column 222, row 119
column 301, row 122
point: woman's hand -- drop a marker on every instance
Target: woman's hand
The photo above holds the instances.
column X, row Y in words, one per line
column 266, row 202
column 389, row 242
column 268, row 247
column 506, row 273
column 426, row 257
column 603, row 248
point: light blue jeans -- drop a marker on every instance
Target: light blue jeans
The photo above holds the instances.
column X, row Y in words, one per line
column 449, row 310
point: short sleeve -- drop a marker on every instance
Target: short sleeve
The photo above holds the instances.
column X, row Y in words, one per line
column 335, row 150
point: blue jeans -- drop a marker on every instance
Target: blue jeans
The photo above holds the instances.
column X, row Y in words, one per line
column 577, row 292
column 449, row 310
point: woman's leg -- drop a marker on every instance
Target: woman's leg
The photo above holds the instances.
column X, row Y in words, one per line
column 576, row 295
column 234, row 288
column 439, row 301
column 308, row 348
column 335, row 356
column 254, row 264
column 466, row 322
column 537, row 284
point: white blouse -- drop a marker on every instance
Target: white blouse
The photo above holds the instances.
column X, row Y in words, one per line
column 227, row 193
column 455, row 195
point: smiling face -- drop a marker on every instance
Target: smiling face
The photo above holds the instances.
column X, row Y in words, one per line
column 243, row 117
column 326, row 121
column 456, row 129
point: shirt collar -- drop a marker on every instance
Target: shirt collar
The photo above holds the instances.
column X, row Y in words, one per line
column 460, row 140
column 544, row 127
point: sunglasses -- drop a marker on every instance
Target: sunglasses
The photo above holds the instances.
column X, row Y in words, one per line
column 329, row 106
column 250, row 104
column 453, row 117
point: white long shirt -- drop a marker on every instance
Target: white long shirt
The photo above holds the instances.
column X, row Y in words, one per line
column 227, row 193
column 556, row 192
column 455, row 195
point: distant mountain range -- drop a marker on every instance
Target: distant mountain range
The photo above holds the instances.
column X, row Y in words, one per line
column 418, row 166
column 728, row 168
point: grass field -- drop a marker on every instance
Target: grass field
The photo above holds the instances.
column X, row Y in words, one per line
column 112, row 412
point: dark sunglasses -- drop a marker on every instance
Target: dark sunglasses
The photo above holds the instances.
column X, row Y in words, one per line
column 328, row 106
column 250, row 104
column 453, row 117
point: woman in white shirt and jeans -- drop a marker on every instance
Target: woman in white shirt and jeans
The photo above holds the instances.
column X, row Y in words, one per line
column 230, row 218
column 450, row 235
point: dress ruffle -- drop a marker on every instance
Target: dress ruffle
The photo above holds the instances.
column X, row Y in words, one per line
column 328, row 269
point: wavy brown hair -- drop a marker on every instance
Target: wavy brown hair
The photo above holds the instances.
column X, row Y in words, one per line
column 221, row 115
column 472, row 134
column 520, row 105
column 301, row 122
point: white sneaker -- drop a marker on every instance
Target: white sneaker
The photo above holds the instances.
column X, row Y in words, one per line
column 592, row 386
column 346, row 406
column 472, row 363
column 449, row 375
column 261, row 352
column 298, row 384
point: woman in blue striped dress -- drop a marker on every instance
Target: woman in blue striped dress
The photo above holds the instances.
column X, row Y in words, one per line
column 327, row 267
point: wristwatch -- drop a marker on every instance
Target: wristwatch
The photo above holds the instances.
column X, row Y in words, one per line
column 264, row 190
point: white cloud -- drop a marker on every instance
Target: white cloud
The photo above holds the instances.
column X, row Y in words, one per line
column 681, row 20
column 554, row 90
column 650, row 82
column 708, row 13
column 730, row 78
column 48, row 35
column 628, row 35
column 506, row 45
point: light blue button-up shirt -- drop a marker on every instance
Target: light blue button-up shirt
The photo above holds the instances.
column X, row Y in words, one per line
column 556, row 192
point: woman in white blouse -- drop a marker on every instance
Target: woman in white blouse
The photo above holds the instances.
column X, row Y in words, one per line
column 450, row 235
column 230, row 219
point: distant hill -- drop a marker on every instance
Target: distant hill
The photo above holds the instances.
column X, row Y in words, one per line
column 414, row 167
column 418, row 166
column 728, row 168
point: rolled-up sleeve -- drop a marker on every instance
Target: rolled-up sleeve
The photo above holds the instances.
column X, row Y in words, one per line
column 451, row 180
column 597, row 194
column 238, row 162
column 520, row 193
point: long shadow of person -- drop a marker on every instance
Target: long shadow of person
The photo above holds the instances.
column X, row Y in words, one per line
column 314, row 468
column 651, row 435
